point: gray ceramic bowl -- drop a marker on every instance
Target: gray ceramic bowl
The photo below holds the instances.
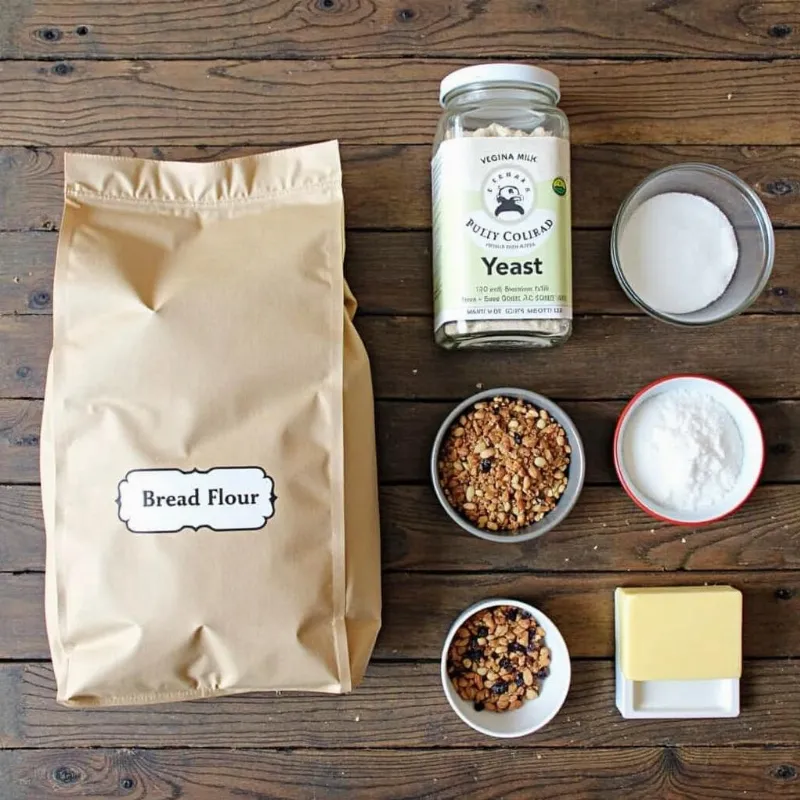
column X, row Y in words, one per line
column 575, row 473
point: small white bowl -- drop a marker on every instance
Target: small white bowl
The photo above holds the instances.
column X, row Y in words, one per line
column 752, row 447
column 534, row 714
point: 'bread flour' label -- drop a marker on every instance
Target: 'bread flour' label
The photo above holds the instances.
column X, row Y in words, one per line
column 501, row 217
column 222, row 499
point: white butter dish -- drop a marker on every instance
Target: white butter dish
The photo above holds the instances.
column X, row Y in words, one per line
column 677, row 699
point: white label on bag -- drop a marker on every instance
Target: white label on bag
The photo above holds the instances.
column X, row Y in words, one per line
column 222, row 499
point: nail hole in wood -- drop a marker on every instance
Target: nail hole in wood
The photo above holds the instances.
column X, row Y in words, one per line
column 476, row 7
column 785, row 772
column 326, row 5
column 62, row 69
column 127, row 784
column 780, row 31
column 81, row 30
column 780, row 188
column 780, row 291
column 49, row 34
column 23, row 373
column 65, row 776
column 784, row 594
column 38, row 300
column 405, row 14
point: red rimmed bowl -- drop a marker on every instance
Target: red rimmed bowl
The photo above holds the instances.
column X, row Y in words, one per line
column 752, row 441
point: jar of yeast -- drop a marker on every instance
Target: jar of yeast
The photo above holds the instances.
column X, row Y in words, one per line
column 502, row 262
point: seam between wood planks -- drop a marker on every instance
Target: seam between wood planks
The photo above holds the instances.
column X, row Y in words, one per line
column 466, row 747
column 572, row 57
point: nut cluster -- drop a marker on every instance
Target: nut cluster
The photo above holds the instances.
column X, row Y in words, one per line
column 498, row 658
column 503, row 465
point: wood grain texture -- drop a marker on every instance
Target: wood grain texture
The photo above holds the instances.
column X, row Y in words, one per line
column 606, row 357
column 419, row 607
column 752, row 353
column 379, row 101
column 622, row 773
column 406, row 431
column 21, row 529
column 26, row 272
column 315, row 29
column 605, row 532
column 20, row 423
column 390, row 273
column 388, row 187
column 399, row 705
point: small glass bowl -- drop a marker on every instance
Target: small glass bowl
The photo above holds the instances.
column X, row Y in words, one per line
column 750, row 221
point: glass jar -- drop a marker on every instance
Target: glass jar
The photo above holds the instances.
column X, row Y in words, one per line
column 502, row 260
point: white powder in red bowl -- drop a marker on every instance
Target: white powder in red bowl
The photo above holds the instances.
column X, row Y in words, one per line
column 688, row 449
column 683, row 450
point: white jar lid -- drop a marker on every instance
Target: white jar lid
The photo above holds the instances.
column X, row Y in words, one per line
column 499, row 73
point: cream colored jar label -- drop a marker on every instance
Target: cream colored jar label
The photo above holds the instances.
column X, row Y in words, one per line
column 502, row 229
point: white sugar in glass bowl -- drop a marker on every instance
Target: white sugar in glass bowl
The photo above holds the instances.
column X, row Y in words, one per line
column 744, row 211
column 752, row 447
column 534, row 714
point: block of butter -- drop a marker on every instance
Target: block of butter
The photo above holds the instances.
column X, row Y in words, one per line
column 679, row 651
column 680, row 632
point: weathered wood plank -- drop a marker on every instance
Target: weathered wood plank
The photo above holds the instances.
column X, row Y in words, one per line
column 390, row 273
column 493, row 28
column 438, row 774
column 380, row 101
column 406, row 431
column 20, row 423
column 605, row 532
column 21, row 529
column 753, row 353
column 24, row 366
column 26, row 272
column 22, row 622
column 399, row 705
column 419, row 607
column 389, row 187
column 750, row 353
column 581, row 605
column 607, row 357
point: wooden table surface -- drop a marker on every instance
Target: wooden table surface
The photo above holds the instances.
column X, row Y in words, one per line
column 645, row 83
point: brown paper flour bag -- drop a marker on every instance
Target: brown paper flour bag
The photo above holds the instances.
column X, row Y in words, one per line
column 208, row 453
